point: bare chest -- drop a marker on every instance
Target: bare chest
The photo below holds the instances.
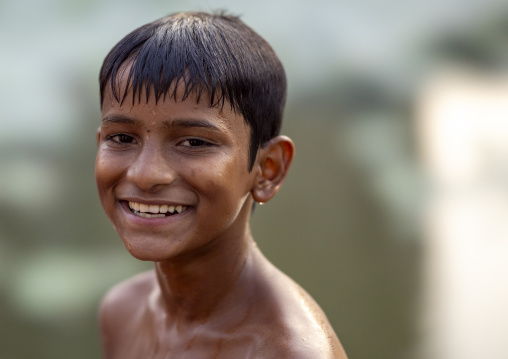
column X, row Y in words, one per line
column 145, row 343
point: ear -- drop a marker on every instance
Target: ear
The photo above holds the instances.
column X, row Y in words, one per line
column 273, row 163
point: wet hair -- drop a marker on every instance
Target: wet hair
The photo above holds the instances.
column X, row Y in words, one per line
column 215, row 53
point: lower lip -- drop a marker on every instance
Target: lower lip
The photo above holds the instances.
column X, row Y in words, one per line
column 157, row 221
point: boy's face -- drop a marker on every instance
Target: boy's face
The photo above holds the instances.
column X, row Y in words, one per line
column 173, row 176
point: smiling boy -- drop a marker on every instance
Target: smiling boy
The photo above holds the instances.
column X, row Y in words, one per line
column 191, row 111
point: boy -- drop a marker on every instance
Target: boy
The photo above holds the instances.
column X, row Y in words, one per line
column 191, row 110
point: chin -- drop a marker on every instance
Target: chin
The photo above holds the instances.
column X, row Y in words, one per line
column 147, row 257
column 145, row 252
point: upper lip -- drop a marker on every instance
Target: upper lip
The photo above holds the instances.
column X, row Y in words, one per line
column 155, row 201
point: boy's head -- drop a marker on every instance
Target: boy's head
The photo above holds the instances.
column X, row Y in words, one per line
column 181, row 99
column 217, row 54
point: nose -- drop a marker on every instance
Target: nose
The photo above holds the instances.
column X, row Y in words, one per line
column 151, row 170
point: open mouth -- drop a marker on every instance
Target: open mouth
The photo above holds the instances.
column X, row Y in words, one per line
column 155, row 210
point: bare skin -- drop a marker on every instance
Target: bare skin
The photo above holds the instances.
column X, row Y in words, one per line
column 212, row 294
column 265, row 315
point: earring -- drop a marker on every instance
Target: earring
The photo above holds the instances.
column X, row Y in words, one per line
column 261, row 203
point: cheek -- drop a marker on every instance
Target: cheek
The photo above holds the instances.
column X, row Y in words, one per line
column 106, row 174
column 227, row 185
column 101, row 172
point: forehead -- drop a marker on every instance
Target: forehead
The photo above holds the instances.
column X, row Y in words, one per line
column 150, row 111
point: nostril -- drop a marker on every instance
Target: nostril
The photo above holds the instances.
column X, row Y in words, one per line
column 150, row 176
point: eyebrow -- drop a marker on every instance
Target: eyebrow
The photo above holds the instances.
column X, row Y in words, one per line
column 190, row 123
column 113, row 119
column 187, row 123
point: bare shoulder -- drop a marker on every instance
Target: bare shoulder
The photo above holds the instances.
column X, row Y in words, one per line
column 302, row 330
column 120, row 305
column 293, row 350
column 296, row 325
column 126, row 295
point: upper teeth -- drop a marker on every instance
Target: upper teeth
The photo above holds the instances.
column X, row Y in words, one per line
column 155, row 208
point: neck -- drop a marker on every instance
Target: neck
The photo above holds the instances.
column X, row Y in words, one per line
column 193, row 286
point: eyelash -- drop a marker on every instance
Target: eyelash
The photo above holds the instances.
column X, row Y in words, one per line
column 196, row 142
column 120, row 139
column 123, row 139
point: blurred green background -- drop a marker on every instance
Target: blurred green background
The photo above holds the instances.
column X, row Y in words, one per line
column 345, row 225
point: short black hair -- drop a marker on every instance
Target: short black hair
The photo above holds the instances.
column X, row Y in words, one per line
column 216, row 53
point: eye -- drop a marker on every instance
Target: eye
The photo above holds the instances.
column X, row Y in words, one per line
column 121, row 139
column 195, row 142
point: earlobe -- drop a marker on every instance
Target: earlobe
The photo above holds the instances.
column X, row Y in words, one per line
column 274, row 161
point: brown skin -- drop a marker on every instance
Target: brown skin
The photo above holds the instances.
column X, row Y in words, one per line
column 212, row 294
